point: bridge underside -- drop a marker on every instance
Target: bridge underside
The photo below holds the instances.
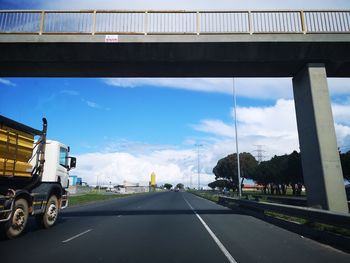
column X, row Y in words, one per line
column 167, row 56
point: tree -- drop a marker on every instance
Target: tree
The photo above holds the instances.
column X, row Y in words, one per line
column 279, row 172
column 263, row 173
column 226, row 168
column 180, row 186
column 293, row 172
column 168, row 186
column 345, row 163
column 221, row 184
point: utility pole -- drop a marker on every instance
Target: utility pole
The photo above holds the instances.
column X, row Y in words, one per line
column 198, row 170
column 98, row 182
column 237, row 151
column 191, row 181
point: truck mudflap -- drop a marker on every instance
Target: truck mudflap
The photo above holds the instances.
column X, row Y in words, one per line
column 64, row 201
column 6, row 206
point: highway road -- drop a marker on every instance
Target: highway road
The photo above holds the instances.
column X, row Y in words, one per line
column 162, row 227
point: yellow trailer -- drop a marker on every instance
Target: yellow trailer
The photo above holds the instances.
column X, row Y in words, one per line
column 33, row 176
column 16, row 148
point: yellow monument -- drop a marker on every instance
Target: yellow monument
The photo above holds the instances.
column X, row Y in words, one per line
column 153, row 179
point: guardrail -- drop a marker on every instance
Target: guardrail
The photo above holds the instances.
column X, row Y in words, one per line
column 94, row 22
column 312, row 214
column 297, row 201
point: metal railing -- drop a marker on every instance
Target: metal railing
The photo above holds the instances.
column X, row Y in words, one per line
column 173, row 22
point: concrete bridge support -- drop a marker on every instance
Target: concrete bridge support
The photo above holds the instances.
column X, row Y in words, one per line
column 320, row 158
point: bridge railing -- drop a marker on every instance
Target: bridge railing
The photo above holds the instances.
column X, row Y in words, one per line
column 173, row 22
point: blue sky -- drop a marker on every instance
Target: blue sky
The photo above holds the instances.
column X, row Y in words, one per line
column 124, row 129
column 88, row 112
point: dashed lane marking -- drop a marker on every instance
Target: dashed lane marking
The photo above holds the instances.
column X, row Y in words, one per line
column 76, row 236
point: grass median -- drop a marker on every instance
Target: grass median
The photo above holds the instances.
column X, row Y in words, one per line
column 207, row 195
column 93, row 197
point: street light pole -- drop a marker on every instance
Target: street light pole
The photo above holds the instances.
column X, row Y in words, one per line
column 237, row 151
column 199, row 180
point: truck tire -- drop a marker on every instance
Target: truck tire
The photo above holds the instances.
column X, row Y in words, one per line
column 19, row 218
column 49, row 217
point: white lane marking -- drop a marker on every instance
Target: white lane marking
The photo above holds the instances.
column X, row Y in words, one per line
column 73, row 237
column 217, row 241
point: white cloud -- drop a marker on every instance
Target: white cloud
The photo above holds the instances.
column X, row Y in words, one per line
column 135, row 161
column 135, row 147
column 70, row 92
column 277, row 120
column 274, row 127
column 341, row 113
column 219, row 85
column 216, row 127
column 256, row 121
column 255, row 88
column 261, row 88
column 94, row 105
column 339, row 86
column 7, row 82
column 120, row 166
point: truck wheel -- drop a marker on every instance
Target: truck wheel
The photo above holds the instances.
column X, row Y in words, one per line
column 19, row 218
column 50, row 215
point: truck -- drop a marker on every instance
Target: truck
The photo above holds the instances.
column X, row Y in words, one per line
column 34, row 176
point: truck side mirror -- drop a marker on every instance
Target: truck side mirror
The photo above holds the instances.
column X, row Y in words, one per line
column 73, row 162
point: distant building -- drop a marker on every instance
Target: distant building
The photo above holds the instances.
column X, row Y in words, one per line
column 79, row 181
column 129, row 187
column 73, row 180
column 76, row 185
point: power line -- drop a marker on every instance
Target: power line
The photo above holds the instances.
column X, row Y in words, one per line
column 259, row 153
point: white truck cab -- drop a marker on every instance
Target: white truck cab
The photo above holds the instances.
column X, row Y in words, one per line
column 57, row 163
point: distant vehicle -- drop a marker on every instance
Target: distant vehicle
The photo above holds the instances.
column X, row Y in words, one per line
column 177, row 189
column 33, row 176
column 111, row 189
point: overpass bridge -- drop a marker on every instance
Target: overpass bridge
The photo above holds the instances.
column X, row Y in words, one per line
column 172, row 43
column 305, row 45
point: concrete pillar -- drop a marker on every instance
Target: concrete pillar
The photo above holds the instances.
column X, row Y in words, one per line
column 318, row 146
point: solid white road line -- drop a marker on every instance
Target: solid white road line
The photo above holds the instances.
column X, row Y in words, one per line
column 217, row 241
column 73, row 237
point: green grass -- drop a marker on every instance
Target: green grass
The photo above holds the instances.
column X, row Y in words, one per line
column 314, row 225
column 93, row 197
column 289, row 193
column 207, row 195
column 286, row 217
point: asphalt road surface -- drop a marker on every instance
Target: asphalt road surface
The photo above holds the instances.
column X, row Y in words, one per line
column 162, row 227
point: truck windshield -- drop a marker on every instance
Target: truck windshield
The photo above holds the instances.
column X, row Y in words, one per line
column 63, row 157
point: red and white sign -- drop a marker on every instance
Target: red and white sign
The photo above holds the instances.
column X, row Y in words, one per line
column 111, row 38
